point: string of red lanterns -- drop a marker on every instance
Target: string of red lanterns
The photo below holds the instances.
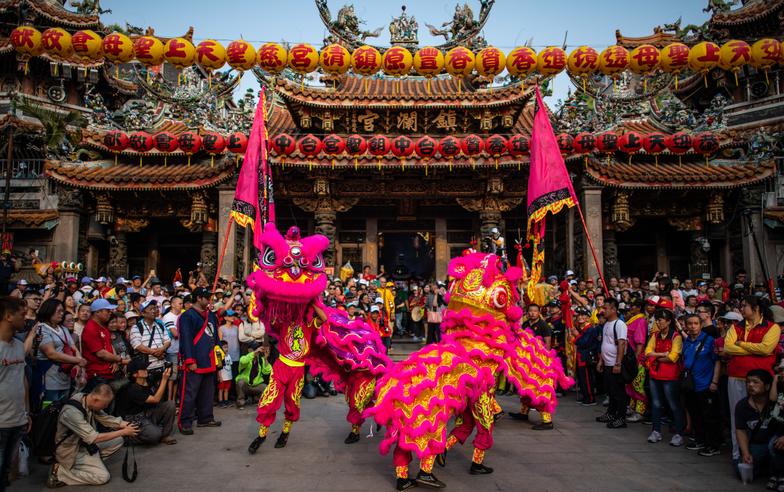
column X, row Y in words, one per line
column 303, row 58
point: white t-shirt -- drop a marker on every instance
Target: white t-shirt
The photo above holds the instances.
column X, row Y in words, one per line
column 609, row 348
column 225, row 373
column 169, row 322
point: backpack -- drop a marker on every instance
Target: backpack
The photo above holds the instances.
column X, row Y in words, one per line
column 44, row 428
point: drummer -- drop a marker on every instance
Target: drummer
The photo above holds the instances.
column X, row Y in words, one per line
column 417, row 305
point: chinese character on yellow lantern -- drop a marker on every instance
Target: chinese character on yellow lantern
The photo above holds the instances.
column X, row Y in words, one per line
column 117, row 48
column 582, row 62
column 490, row 62
column 57, row 41
column 673, row 59
column 429, row 62
column 366, row 60
column 179, row 52
column 765, row 53
column 733, row 55
column 459, row 62
column 210, row 55
column 303, row 58
column 521, row 62
column 335, row 59
column 272, row 58
column 148, row 50
column 86, row 44
column 27, row 40
column 613, row 60
column 241, row 55
column 643, row 60
column 397, row 61
column 704, row 57
column 551, row 61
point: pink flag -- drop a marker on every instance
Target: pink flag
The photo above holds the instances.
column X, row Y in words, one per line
column 549, row 186
column 245, row 208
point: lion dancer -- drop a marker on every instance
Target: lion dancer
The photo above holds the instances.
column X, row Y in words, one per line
column 401, row 458
column 360, row 387
column 481, row 415
column 286, row 381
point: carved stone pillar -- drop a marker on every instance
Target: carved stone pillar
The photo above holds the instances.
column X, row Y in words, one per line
column 325, row 209
column 209, row 253
column 65, row 240
column 118, row 255
column 225, row 199
column 592, row 206
column 611, row 266
column 700, row 262
column 442, row 249
column 370, row 254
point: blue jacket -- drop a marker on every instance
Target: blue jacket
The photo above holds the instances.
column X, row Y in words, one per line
column 198, row 340
column 587, row 343
column 701, row 364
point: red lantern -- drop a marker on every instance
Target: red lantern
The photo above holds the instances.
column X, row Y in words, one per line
column 449, row 147
column 607, row 143
column 584, row 143
column 496, row 145
column 472, row 145
column 654, row 144
column 283, row 144
column 141, row 142
column 679, row 143
column 333, row 145
column 426, row 148
column 310, row 145
column 165, row 142
column 237, row 143
column 214, row 144
column 565, row 143
column 190, row 143
column 356, row 145
column 379, row 146
column 402, row 147
column 705, row 143
column 630, row 143
column 519, row 145
column 116, row 141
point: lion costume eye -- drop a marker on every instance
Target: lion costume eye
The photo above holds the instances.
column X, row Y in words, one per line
column 268, row 258
column 318, row 262
column 500, row 297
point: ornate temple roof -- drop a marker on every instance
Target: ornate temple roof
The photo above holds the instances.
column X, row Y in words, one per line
column 720, row 174
column 53, row 11
column 659, row 39
column 752, row 11
column 31, row 218
column 106, row 176
column 402, row 93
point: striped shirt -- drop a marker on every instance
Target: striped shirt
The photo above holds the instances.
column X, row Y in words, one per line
column 143, row 334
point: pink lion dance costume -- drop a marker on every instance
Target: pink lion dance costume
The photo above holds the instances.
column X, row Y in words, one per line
column 288, row 286
column 481, row 336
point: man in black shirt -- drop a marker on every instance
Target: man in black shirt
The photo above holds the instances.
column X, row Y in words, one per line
column 136, row 403
column 542, row 329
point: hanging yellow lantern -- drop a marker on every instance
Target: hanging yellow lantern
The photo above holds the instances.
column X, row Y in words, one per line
column 643, row 60
column 583, row 62
column 117, row 48
column 674, row 59
column 179, row 52
column 303, row 58
column 704, row 57
column 272, row 58
column 241, row 55
column 27, row 40
column 613, row 60
column 733, row 55
column 57, row 41
column 765, row 53
column 459, row 62
column 366, row 60
column 86, row 45
column 551, row 61
column 428, row 62
column 148, row 50
column 397, row 61
column 490, row 62
column 521, row 62
column 210, row 55
column 335, row 59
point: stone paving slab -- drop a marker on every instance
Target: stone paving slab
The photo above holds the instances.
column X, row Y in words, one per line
column 578, row 455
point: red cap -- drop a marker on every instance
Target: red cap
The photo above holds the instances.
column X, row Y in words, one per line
column 666, row 304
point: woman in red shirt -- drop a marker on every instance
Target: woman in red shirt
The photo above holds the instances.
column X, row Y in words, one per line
column 662, row 355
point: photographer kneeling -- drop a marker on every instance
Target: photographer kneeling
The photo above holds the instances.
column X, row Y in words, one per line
column 80, row 448
column 137, row 404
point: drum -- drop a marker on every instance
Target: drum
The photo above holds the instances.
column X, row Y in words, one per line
column 417, row 314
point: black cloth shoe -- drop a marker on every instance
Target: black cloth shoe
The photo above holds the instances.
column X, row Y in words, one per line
column 441, row 459
column 405, row 484
column 352, row 438
column 519, row 416
column 283, row 438
column 543, row 426
column 617, row 424
column 211, row 423
column 254, row 446
column 479, row 469
column 429, row 480
column 604, row 418
column 498, row 416
column 186, row 431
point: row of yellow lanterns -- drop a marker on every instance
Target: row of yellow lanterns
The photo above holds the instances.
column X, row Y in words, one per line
column 429, row 61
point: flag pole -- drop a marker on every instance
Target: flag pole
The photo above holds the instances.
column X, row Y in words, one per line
column 593, row 250
column 223, row 252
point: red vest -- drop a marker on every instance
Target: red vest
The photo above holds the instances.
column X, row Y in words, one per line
column 740, row 365
column 665, row 371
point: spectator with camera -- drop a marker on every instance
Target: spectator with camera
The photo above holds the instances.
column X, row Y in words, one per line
column 254, row 372
column 79, row 447
column 150, row 338
column 138, row 404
